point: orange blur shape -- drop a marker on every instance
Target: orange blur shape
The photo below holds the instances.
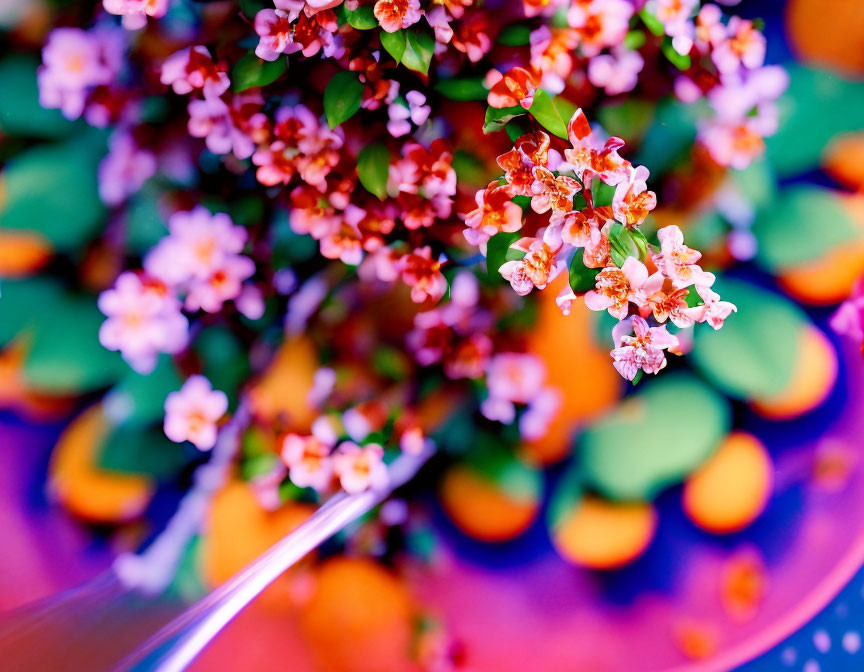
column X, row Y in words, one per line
column 239, row 530
column 359, row 618
column 813, row 376
column 827, row 33
column 577, row 365
column 604, row 535
column 730, row 490
column 482, row 509
column 22, row 253
column 743, row 586
column 695, row 641
column 91, row 493
column 281, row 393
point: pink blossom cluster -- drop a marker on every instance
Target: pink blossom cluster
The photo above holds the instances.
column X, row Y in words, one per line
column 515, row 378
column 135, row 12
column 550, row 181
column 192, row 413
column 198, row 266
column 78, row 69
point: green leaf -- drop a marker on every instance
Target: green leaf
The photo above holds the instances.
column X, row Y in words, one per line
column 581, row 277
column 627, row 243
column 671, row 135
column 52, row 189
column 419, row 49
column 652, row 23
column 362, row 18
column 602, row 193
column 373, row 168
column 65, row 355
column 342, row 97
column 131, row 450
column 496, row 464
column 224, row 358
column 139, row 400
column 632, row 455
column 469, row 88
column 818, row 106
column 497, row 251
column 251, row 7
column 20, row 111
column 252, row 72
column 394, row 43
column 543, row 109
column 515, row 35
column 497, row 117
column 804, row 223
column 144, row 225
column 634, row 39
column 680, row 61
column 753, row 355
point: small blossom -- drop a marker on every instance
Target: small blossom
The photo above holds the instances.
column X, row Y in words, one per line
column 192, row 413
column 713, row 311
column 551, row 191
column 632, row 200
column 588, row 152
column 144, row 319
column 135, row 12
column 744, row 46
column 678, row 262
column 308, row 461
column 495, row 212
column 360, row 469
column 643, row 350
column 124, row 170
column 515, row 87
column 599, row 23
column 193, row 68
column 617, row 72
column 615, row 288
column 541, row 264
column 395, row 15
column 423, row 275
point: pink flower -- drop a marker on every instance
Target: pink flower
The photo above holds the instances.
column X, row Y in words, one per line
column 540, row 412
column 713, row 311
column 599, row 23
column 275, row 31
column 360, row 469
column 511, row 378
column 642, row 351
column 551, row 191
column 632, row 201
column 678, row 262
column 308, row 461
column 229, row 127
column 414, row 442
column 395, row 15
column 848, row 319
column 515, row 87
column 223, row 284
column 552, row 54
column 616, row 288
column 192, row 413
column 193, row 68
column 744, row 46
column 541, row 264
column 617, row 72
column 144, row 319
column 74, row 62
column 495, row 212
column 427, row 170
column 198, row 245
column 423, row 275
column 588, row 152
column 135, row 12
column 124, row 169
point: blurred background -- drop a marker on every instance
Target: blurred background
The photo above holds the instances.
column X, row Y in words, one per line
column 750, row 558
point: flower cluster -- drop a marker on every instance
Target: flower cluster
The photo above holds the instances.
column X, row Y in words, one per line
column 371, row 151
column 596, row 202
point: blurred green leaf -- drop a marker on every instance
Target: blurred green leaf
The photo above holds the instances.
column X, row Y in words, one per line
column 133, row 450
column 65, row 355
column 20, row 111
column 817, row 106
column 373, row 168
column 515, row 35
column 801, row 225
column 342, row 97
column 251, row 7
column 629, row 119
column 632, row 454
column 468, row 88
column 754, row 353
column 224, row 358
column 144, row 225
column 139, row 400
column 670, row 135
column 251, row 72
column 17, row 301
column 52, row 189
column 565, row 497
column 495, row 463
